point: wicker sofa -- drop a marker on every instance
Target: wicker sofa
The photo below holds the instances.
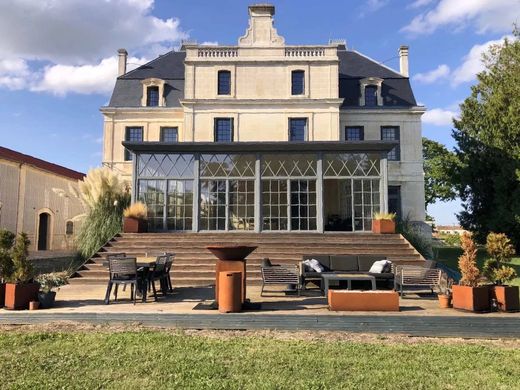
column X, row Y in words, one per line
column 352, row 264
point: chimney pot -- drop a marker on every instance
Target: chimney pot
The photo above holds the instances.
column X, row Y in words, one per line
column 403, row 61
column 122, row 57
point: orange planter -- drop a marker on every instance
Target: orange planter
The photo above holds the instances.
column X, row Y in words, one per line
column 230, row 292
column 18, row 296
column 471, row 298
column 507, row 297
column 348, row 300
column 383, row 226
column 134, row 225
column 444, row 301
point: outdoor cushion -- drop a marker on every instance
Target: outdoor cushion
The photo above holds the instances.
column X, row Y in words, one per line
column 366, row 261
column 344, row 263
column 323, row 259
column 377, row 267
column 313, row 265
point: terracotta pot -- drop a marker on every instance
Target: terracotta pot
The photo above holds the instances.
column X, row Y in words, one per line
column 18, row 296
column 507, row 297
column 2, row 294
column 383, row 226
column 230, row 292
column 444, row 301
column 34, row 305
column 471, row 298
column 134, row 225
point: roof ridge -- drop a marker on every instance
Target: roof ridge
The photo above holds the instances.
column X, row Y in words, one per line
column 379, row 63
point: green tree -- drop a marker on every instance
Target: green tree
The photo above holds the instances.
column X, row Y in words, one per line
column 439, row 163
column 488, row 146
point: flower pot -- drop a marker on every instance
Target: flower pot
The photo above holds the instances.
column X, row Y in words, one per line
column 18, row 295
column 134, row 225
column 471, row 298
column 2, row 294
column 507, row 297
column 383, row 226
column 47, row 299
column 34, row 305
column 444, row 301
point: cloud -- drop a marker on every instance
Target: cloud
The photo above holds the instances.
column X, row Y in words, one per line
column 83, row 79
column 485, row 15
column 420, row 3
column 439, row 117
column 472, row 63
column 69, row 46
column 372, row 6
column 441, row 72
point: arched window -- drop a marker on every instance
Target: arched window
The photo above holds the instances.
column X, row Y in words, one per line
column 297, row 82
column 69, row 228
column 224, row 82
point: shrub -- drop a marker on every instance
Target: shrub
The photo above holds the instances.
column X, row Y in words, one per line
column 137, row 210
column 6, row 261
column 23, row 271
column 52, row 280
column 468, row 262
column 6, row 239
column 500, row 250
column 415, row 237
column 450, row 239
column 379, row 216
column 503, row 275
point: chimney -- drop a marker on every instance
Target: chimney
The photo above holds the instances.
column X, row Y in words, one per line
column 403, row 61
column 122, row 56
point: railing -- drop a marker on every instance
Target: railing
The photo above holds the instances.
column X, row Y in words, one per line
column 220, row 52
column 304, row 51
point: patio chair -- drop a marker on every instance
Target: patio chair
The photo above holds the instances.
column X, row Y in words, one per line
column 169, row 264
column 116, row 256
column 122, row 271
column 280, row 275
column 158, row 273
column 414, row 276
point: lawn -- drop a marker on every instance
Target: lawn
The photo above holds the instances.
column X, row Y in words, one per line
column 450, row 257
column 146, row 359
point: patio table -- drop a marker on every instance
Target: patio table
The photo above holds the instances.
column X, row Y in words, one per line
column 345, row 277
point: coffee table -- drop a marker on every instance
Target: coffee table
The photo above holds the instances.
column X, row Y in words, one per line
column 345, row 277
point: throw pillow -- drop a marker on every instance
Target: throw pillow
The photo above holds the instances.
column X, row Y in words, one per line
column 388, row 267
column 377, row 267
column 316, row 266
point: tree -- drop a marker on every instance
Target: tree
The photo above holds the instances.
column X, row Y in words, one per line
column 488, row 146
column 439, row 162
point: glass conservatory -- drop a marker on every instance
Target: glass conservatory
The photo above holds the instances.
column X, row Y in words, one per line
column 277, row 186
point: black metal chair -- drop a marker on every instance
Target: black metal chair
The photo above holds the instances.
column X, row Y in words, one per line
column 169, row 264
column 123, row 270
column 116, row 256
column 158, row 273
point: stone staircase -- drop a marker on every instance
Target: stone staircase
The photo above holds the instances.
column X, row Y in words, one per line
column 194, row 265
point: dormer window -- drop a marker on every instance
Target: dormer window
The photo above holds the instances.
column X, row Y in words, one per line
column 370, row 92
column 224, row 82
column 153, row 93
column 297, row 82
column 152, row 96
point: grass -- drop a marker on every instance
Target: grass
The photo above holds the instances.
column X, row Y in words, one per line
column 146, row 359
column 450, row 257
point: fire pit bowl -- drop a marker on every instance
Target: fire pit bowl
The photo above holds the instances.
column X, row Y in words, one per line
column 231, row 252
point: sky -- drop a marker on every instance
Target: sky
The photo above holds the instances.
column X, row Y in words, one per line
column 58, row 60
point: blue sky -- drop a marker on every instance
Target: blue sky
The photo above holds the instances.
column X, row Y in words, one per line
column 58, row 65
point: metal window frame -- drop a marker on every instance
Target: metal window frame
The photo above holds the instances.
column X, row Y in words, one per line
column 361, row 133
column 232, row 128
column 397, row 137
column 305, row 130
column 219, row 74
column 293, row 73
column 150, row 88
column 163, row 128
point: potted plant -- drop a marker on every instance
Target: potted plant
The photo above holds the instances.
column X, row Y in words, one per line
column 500, row 251
column 49, row 282
column 444, row 298
column 21, row 288
column 383, row 223
column 468, row 295
column 134, row 218
column 6, row 263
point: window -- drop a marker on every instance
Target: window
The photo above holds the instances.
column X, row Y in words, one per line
column 297, row 129
column 69, row 228
column 391, row 133
column 152, row 96
column 297, row 82
column 224, row 82
column 224, row 130
column 132, row 134
column 394, row 200
column 169, row 134
column 370, row 96
column 354, row 133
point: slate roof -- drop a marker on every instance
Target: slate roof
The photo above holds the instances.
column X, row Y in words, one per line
column 353, row 66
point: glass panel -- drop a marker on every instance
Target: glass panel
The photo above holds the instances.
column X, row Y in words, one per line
column 354, row 133
column 274, row 204
column 169, row 134
column 241, row 205
column 370, row 96
column 152, row 98
column 165, row 165
column 180, row 205
column 132, row 134
column 391, row 133
column 279, row 165
column 227, row 165
column 223, row 130
column 351, row 164
column 303, row 205
column 297, row 129
column 224, row 82
column 298, row 82
column 151, row 193
column 213, row 204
